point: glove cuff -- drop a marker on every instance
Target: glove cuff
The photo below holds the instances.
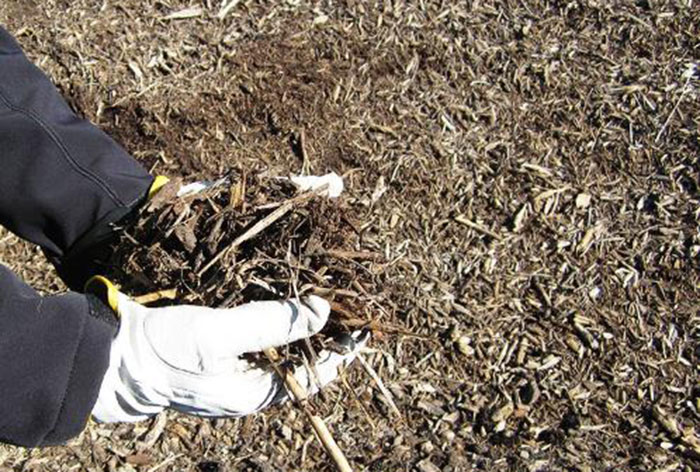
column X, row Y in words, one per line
column 89, row 364
column 105, row 290
column 158, row 183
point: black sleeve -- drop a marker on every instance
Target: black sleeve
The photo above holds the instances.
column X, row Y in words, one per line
column 54, row 351
column 62, row 183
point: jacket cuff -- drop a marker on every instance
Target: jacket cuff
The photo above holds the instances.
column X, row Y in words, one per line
column 85, row 258
column 89, row 366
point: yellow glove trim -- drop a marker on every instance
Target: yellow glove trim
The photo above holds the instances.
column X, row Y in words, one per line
column 105, row 290
column 158, row 183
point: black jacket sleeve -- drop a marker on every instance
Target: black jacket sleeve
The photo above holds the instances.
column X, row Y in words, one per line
column 54, row 352
column 62, row 183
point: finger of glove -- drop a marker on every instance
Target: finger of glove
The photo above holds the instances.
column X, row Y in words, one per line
column 332, row 183
column 251, row 390
column 262, row 325
column 205, row 340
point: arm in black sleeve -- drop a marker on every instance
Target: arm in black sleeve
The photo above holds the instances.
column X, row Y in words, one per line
column 63, row 182
column 54, row 351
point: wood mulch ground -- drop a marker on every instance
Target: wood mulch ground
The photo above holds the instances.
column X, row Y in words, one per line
column 527, row 170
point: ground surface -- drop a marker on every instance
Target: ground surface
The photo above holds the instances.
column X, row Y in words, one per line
column 529, row 170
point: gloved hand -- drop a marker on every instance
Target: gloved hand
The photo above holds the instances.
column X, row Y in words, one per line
column 189, row 358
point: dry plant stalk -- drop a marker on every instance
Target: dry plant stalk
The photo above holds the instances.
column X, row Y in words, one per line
column 382, row 388
column 477, row 227
column 169, row 294
column 259, row 227
column 299, row 394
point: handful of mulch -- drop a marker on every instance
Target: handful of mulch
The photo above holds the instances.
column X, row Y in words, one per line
column 247, row 238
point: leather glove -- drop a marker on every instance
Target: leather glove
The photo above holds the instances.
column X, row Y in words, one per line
column 189, row 358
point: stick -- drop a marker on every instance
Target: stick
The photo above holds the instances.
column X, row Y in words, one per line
column 342, row 254
column 382, row 388
column 169, row 294
column 226, row 9
column 463, row 220
column 332, row 292
column 340, row 309
column 668, row 120
column 259, row 227
column 356, row 397
column 329, row 443
column 305, row 163
column 297, row 392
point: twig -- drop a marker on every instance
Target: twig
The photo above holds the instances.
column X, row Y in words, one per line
column 310, row 365
column 382, row 388
column 305, row 163
column 673, row 112
column 169, row 294
column 332, row 292
column 383, row 129
column 342, row 254
column 463, row 220
column 376, row 326
column 639, row 20
column 356, row 397
column 259, row 227
column 308, row 352
column 226, row 9
column 340, row 309
column 185, row 14
column 165, row 462
column 299, row 394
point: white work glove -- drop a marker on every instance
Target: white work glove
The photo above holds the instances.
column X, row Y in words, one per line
column 189, row 358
